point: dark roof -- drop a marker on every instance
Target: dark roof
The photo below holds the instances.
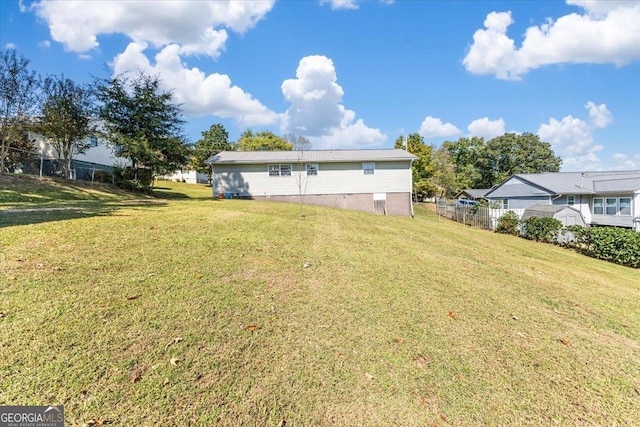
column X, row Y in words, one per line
column 477, row 193
column 246, row 157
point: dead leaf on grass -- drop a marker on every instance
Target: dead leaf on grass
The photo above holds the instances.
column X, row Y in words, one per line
column 252, row 327
column 172, row 342
column 166, row 381
column 514, row 317
column 422, row 360
column 133, row 297
column 398, row 340
column 197, row 276
column 452, row 315
column 282, row 423
column 96, row 422
column 563, row 341
column 369, row 376
column 134, row 378
column 174, row 361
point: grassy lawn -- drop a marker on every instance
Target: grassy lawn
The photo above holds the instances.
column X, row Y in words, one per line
column 184, row 310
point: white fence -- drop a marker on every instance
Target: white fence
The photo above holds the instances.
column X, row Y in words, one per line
column 474, row 216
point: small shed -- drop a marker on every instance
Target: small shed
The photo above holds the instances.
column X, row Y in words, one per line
column 563, row 213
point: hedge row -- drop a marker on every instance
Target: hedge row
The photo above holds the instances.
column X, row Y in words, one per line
column 617, row 245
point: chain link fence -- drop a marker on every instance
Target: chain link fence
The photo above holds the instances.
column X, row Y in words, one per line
column 21, row 161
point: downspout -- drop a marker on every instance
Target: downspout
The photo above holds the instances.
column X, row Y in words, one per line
column 411, row 192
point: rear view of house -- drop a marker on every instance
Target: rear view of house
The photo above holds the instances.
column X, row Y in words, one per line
column 378, row 181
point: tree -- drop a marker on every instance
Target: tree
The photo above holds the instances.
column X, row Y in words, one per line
column 142, row 122
column 444, row 177
column 421, row 168
column 262, row 141
column 465, row 154
column 18, row 102
column 213, row 141
column 66, row 118
column 511, row 154
column 298, row 142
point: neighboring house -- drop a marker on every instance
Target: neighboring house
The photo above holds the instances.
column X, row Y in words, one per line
column 99, row 156
column 377, row 181
column 603, row 198
column 189, row 176
column 475, row 194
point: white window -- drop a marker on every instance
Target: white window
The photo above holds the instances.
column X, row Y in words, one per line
column 312, row 169
column 598, row 206
column 369, row 168
column 279, row 170
column 625, row 205
column 612, row 206
column 571, row 200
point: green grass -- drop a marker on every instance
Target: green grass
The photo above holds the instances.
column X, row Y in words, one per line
column 335, row 318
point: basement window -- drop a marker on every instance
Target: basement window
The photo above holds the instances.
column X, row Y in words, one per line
column 369, row 168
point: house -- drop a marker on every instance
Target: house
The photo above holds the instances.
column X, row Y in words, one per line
column 472, row 194
column 603, row 198
column 98, row 157
column 187, row 175
column 378, row 181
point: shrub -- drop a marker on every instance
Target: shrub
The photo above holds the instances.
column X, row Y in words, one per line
column 542, row 229
column 617, row 245
column 508, row 223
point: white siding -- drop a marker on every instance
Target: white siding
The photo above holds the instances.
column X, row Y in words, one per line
column 332, row 178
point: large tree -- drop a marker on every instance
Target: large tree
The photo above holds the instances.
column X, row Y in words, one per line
column 142, row 122
column 511, row 153
column 213, row 141
column 422, row 168
column 19, row 100
column 261, row 141
column 66, row 118
column 465, row 154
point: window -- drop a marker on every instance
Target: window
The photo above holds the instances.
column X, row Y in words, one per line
column 93, row 141
column 312, row 169
column 625, row 205
column 369, row 168
column 612, row 206
column 571, row 200
column 279, row 170
column 598, row 206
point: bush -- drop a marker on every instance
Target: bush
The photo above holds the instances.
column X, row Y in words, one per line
column 617, row 245
column 508, row 223
column 124, row 177
column 542, row 229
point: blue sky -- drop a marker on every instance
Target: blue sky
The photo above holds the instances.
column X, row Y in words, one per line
column 358, row 74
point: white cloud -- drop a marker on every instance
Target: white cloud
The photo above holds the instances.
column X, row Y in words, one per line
column 199, row 93
column 486, row 128
column 599, row 115
column 10, row 46
column 191, row 24
column 21, row 6
column 607, row 32
column 44, row 44
column 433, row 127
column 571, row 138
column 348, row 4
column 316, row 112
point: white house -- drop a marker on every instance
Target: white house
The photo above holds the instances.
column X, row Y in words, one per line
column 378, row 181
column 603, row 198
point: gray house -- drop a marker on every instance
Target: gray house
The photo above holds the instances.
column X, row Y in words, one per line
column 377, row 181
column 472, row 194
column 603, row 198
